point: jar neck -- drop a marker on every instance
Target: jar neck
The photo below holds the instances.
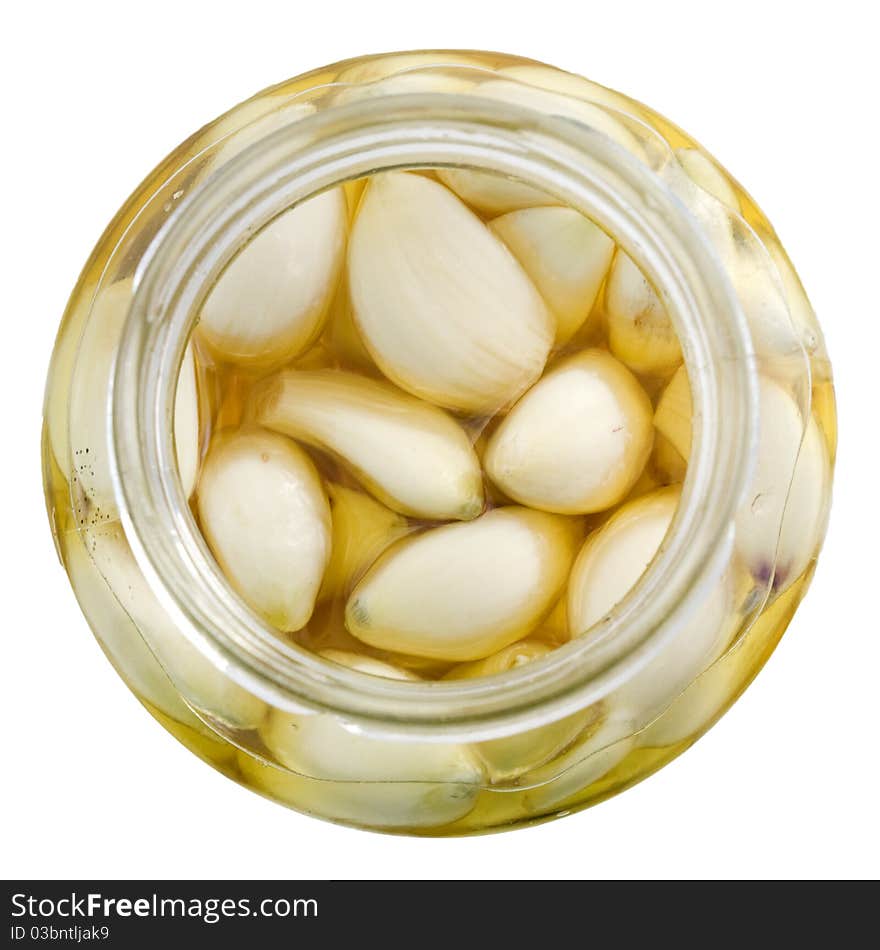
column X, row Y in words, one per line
column 578, row 166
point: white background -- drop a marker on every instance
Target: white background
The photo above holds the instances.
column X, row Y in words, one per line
column 783, row 93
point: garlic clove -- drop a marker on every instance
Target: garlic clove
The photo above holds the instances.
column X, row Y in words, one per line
column 362, row 529
column 674, row 413
column 271, row 301
column 510, row 756
column 443, row 306
column 567, row 84
column 494, row 194
column 640, row 333
column 577, row 441
column 368, row 664
column 365, row 779
column 186, row 423
column 695, row 708
column 517, row 654
column 781, row 328
column 83, row 450
column 690, row 652
column 94, row 557
column 463, row 591
column 407, row 83
column 608, row 566
column 783, row 331
column 91, row 327
column 263, row 512
column 712, row 692
column 802, row 315
column 491, row 193
column 367, row 782
column 565, row 255
column 781, row 524
column 616, row 556
column 251, row 122
column 703, row 172
column 603, row 747
column 409, row 454
column 143, row 640
column 393, row 64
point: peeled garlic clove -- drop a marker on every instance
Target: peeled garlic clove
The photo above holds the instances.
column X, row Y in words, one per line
column 494, row 194
column 511, row 756
column 56, row 406
column 703, row 172
column 378, row 67
column 411, row 455
column 780, row 343
column 708, row 697
column 694, row 709
column 674, row 413
column 640, row 332
column 353, row 778
column 368, row 780
column 407, row 83
column 90, row 556
column 780, row 526
column 368, row 664
column 566, row 256
column 145, row 642
column 566, row 106
column 186, row 423
column 604, row 746
column 263, row 512
column 362, row 530
column 682, row 659
column 83, row 452
column 698, row 705
column 250, row 122
column 616, row 556
column 517, row 654
column 567, row 84
column 270, row 302
column 463, row 591
column 491, row 193
column 785, row 334
column 608, row 566
column 577, row 441
column 443, row 306
column 802, row 315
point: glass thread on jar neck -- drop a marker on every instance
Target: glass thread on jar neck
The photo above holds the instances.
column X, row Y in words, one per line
column 577, row 166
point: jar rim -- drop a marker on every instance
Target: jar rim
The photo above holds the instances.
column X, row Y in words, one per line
column 576, row 164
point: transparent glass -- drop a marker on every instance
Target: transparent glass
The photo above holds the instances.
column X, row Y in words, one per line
column 126, row 421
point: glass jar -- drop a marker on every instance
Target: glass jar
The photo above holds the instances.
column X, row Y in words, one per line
column 125, row 426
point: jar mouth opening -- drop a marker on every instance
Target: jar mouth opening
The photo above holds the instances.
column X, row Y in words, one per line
column 577, row 165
